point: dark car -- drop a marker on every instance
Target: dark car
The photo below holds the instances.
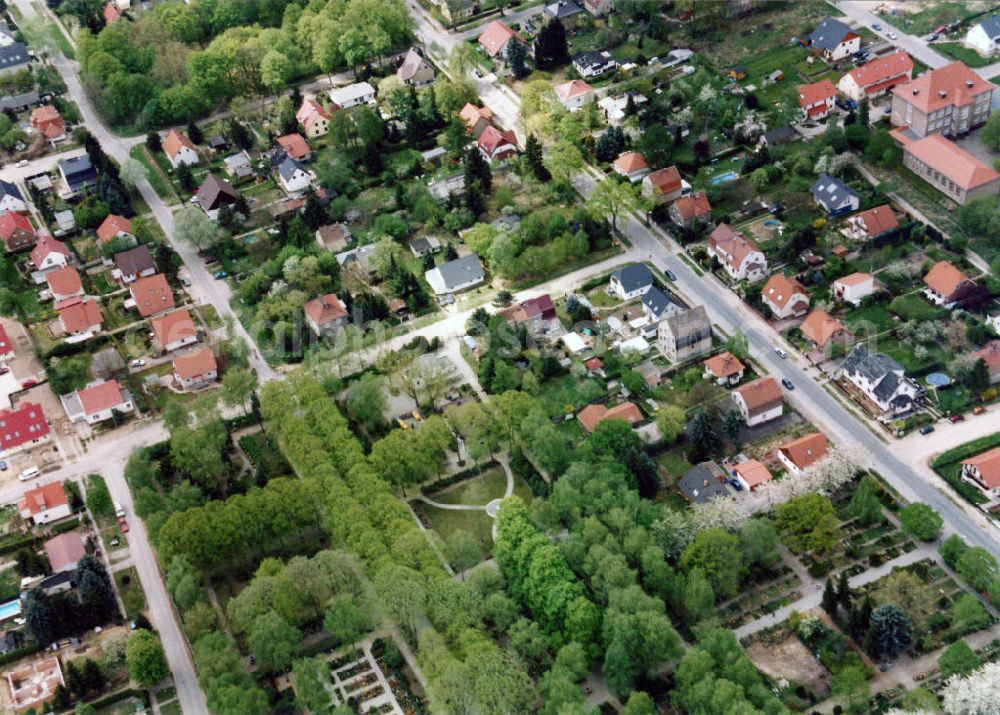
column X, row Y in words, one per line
column 789, row 385
column 670, row 275
column 926, row 429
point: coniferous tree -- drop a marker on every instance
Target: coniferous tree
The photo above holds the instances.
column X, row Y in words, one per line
column 533, row 158
column 194, row 132
column 551, row 49
column 844, row 591
column 476, row 167
column 515, row 54
column 830, row 599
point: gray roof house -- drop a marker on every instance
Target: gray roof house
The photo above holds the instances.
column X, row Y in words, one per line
column 135, row 263
column 882, row 380
column 834, row 40
column 424, row 245
column 457, row 275
column 778, row 136
column 631, row 281
column 657, row 304
column 356, row 255
column 685, row 334
column 703, row 483
column 239, row 164
column 77, row 173
column 415, row 69
column 834, row 195
column 18, row 102
column 14, row 58
column 593, row 64
column 565, row 11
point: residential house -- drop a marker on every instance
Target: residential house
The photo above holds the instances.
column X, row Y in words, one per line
column 785, row 297
column 16, row 231
column 333, row 237
column 18, row 102
column 537, row 314
column 854, row 288
column 687, row 210
column 457, row 275
column 173, row 331
column 496, row 145
column 195, row 369
column 703, row 483
column 65, row 551
column 685, row 335
column 357, row 255
column 881, row 380
column 80, row 316
column 11, row 198
column 293, row 176
column 77, row 174
column 872, row 223
column 950, row 169
column 98, row 402
column 592, row 415
column 593, row 64
column 47, row 121
column 777, row 137
column 833, row 40
column 599, row 8
column 574, row 94
column 759, row 401
column 22, row 428
column 820, row 329
column 632, row 165
column 983, row 471
column 44, row 504
column 656, row 305
column 50, row 253
column 948, row 286
column 152, row 295
column 631, row 281
column 425, row 246
column 415, row 70
column 834, row 196
column 214, row 193
column 566, row 12
column 951, row 100
column 877, row 76
column 6, row 347
column 295, row 146
column 114, row 227
column 476, row 119
column 990, row 354
column 799, row 454
column 64, row 283
column 32, row 687
column 984, row 36
column 326, row 314
column 65, row 222
column 314, row 118
column 14, row 58
column 217, row 143
column 353, row 95
column 724, row 368
column 111, row 12
column 740, row 257
column 239, row 165
column 817, row 99
column 616, row 108
column 134, row 264
column 663, row 185
column 495, row 38
column 179, row 149
column 751, row 474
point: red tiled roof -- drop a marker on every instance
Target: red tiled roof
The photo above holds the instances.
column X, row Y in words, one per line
column 876, row 73
column 594, row 364
column 760, row 395
column 952, row 85
column 780, row 289
column 65, row 550
column 310, row 111
column 630, row 162
column 44, row 497
column 988, row 464
column 664, row 181
column 100, row 397
column 819, row 326
column 944, row 278
column 6, row 347
column 9, row 221
column 592, row 415
column 325, row 309
column 492, row 138
column 195, row 364
column 111, row 12
column 806, row 450
column 471, row 114
column 854, row 279
column 734, row 246
column 877, row 220
column 724, row 365
column 810, row 94
column 754, row 473
column 79, row 315
column 64, row 281
column 46, row 119
column 46, row 245
column 112, row 226
column 152, row 294
column 173, row 327
column 572, row 89
column 496, row 36
column 22, row 425
column 951, row 160
column 294, row 145
column 173, row 142
column 693, row 206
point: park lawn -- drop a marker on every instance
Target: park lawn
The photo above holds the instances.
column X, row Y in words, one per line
column 491, row 484
column 446, row 522
column 957, row 51
column 913, row 307
column 873, row 315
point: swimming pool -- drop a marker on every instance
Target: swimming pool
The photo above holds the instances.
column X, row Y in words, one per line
column 771, row 223
column 10, row 609
column 724, row 178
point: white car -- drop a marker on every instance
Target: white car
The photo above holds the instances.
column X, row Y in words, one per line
column 139, row 362
column 892, row 35
column 29, row 473
column 781, row 353
column 23, row 162
column 119, row 510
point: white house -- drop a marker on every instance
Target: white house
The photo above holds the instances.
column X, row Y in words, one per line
column 631, row 281
column 833, row 40
column 834, row 196
column 11, row 198
column 802, row 453
column 759, row 401
column 352, row 95
column 882, row 380
column 293, row 176
column 740, row 257
column 786, row 297
column 457, row 275
column 179, row 149
column 195, row 369
column 983, row 470
column 984, row 36
column 97, row 402
column 574, row 94
column 45, row 504
column 593, row 64
column 49, row 254
column 854, row 288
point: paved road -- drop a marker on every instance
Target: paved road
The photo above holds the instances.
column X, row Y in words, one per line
column 858, row 10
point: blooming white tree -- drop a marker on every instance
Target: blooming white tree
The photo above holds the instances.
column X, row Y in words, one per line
column 978, row 693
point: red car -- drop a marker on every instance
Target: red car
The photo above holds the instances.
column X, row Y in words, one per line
column 122, row 524
column 956, row 418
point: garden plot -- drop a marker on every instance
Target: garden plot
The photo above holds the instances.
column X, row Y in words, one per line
column 780, row 655
column 363, row 681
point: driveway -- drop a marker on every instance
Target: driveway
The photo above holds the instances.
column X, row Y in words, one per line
column 860, row 12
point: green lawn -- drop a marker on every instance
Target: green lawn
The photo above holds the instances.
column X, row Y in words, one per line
column 874, row 315
column 567, row 394
column 675, row 462
column 957, row 51
column 130, row 590
column 933, row 14
column 157, row 179
column 447, row 521
column 477, row 490
column 937, row 357
column 914, row 307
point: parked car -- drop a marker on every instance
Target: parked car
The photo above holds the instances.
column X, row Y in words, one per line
column 978, row 410
column 3, row 466
column 670, row 275
column 219, row 275
column 955, row 419
column 876, row 27
column 789, row 385
column 119, row 510
column 29, row 473
column 23, row 162
column 122, row 524
column 892, row 35
column 926, row 429
column 138, row 362
column 781, row 353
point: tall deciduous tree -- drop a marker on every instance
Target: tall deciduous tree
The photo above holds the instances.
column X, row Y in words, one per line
column 193, row 227
column 144, row 657
column 273, row 642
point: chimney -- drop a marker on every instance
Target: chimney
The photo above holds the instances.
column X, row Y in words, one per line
column 942, row 94
column 969, row 83
column 915, row 92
